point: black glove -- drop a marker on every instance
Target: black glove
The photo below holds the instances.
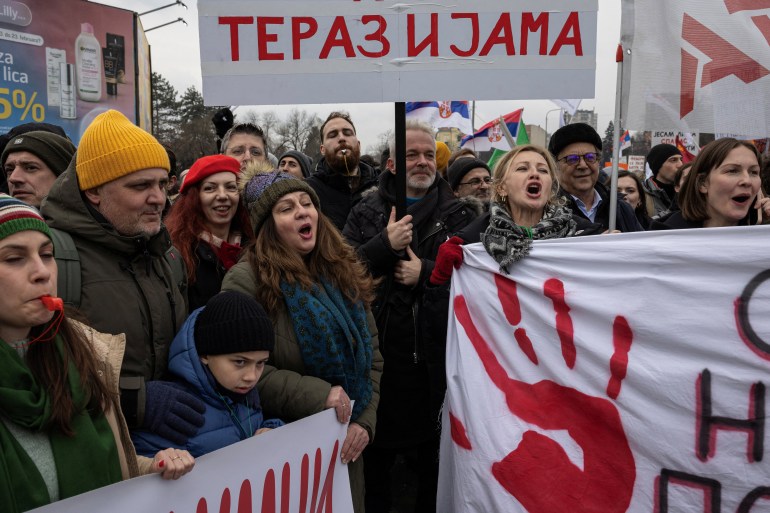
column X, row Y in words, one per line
column 172, row 412
column 223, row 121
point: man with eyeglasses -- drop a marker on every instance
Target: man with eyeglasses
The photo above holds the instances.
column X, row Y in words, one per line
column 245, row 142
column 471, row 178
column 340, row 178
column 577, row 150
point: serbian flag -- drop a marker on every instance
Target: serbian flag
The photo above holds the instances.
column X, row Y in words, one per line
column 441, row 114
column 491, row 135
column 625, row 140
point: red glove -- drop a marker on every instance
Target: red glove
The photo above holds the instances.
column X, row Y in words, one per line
column 450, row 255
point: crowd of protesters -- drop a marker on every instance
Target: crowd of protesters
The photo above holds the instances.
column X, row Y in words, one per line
column 270, row 289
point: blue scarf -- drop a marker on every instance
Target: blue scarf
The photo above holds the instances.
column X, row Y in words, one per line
column 334, row 338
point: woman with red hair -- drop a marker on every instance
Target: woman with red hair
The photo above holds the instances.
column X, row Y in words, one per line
column 208, row 225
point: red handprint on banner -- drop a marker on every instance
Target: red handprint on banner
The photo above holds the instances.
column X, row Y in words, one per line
column 539, row 473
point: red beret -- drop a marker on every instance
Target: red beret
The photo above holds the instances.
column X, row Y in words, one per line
column 207, row 166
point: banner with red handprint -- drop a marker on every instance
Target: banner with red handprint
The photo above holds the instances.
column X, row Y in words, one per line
column 697, row 66
column 609, row 374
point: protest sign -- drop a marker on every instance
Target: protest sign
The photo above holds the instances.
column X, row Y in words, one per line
column 296, row 467
column 611, row 374
column 697, row 65
column 306, row 51
column 67, row 61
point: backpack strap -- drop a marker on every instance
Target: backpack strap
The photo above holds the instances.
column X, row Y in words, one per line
column 68, row 261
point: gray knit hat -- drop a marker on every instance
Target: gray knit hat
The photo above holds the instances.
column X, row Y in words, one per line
column 261, row 190
column 56, row 151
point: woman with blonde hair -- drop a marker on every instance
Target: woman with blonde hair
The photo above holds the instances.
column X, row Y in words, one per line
column 317, row 295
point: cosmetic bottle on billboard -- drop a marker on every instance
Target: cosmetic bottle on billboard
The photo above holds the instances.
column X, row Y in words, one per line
column 88, row 64
column 110, row 71
column 67, row 103
column 54, row 57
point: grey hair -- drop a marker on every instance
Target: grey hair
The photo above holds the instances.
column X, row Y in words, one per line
column 411, row 124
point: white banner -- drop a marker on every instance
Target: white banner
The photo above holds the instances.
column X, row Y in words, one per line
column 299, row 461
column 697, row 65
column 611, row 374
column 346, row 51
column 669, row 137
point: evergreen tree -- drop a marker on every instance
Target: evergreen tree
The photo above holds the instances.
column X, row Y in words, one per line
column 165, row 109
column 607, row 143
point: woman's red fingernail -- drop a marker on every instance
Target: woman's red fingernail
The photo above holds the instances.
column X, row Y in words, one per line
column 161, row 464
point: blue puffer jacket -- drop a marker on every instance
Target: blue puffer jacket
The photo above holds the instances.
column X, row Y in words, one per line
column 226, row 421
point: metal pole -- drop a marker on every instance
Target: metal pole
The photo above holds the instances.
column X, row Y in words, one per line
column 169, row 23
column 616, row 141
column 178, row 2
column 547, row 135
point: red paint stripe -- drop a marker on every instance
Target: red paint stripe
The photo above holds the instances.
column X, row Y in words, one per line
column 622, row 338
column 553, row 289
column 509, row 299
column 525, row 344
column 459, row 434
column 746, row 5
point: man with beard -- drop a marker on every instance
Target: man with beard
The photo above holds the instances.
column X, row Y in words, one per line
column 340, row 177
column 402, row 253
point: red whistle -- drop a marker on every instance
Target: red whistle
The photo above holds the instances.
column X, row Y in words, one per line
column 52, row 303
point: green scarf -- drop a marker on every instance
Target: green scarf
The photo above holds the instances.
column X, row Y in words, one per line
column 84, row 462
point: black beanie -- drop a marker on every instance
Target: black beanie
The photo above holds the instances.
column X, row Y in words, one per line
column 233, row 322
column 573, row 133
column 659, row 154
column 56, row 151
column 461, row 167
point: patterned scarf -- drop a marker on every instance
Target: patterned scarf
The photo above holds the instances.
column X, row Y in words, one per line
column 507, row 242
column 334, row 338
column 84, row 462
column 227, row 251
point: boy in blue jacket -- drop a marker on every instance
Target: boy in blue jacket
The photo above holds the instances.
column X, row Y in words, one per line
column 219, row 355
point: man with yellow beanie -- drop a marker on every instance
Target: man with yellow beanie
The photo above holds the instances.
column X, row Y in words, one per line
column 109, row 200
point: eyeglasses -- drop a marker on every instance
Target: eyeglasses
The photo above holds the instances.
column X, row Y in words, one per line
column 574, row 160
column 477, row 181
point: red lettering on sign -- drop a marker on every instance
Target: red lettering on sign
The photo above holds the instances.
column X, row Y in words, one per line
column 338, row 36
column 530, row 24
column 569, row 35
column 234, row 22
column 726, row 60
column 378, row 35
column 297, row 34
column 763, row 24
column 321, row 498
column 263, row 38
column 474, row 32
column 501, row 35
column 746, row 5
column 412, row 49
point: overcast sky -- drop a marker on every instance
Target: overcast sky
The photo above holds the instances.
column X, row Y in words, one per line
column 176, row 55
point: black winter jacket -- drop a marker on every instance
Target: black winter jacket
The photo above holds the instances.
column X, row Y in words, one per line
column 405, row 389
column 334, row 190
column 626, row 218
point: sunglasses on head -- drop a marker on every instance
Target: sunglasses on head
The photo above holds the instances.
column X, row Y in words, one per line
column 574, row 159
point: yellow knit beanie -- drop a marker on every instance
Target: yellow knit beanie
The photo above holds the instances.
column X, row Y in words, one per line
column 112, row 147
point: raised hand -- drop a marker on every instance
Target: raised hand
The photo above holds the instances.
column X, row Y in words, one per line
column 399, row 232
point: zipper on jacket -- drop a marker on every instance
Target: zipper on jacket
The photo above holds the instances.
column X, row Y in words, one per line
column 130, row 270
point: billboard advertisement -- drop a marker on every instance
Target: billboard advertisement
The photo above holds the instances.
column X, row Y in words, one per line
column 65, row 62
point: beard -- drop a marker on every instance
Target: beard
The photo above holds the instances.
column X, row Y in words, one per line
column 344, row 165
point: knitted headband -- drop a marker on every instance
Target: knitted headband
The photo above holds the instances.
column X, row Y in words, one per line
column 261, row 191
column 112, row 147
column 16, row 216
column 56, row 151
column 233, row 322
